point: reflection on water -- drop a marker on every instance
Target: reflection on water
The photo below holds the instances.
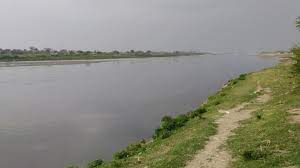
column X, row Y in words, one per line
column 52, row 116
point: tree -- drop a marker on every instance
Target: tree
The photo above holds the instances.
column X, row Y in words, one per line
column 296, row 50
column 298, row 23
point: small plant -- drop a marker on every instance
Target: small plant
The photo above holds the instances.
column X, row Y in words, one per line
column 130, row 150
column 298, row 23
column 217, row 103
column 198, row 113
column 121, row 155
column 169, row 124
column 222, row 94
column 254, row 154
column 234, row 82
column 72, row 166
column 296, row 58
column 181, row 120
column 242, row 77
column 95, row 163
column 165, row 134
column 258, row 116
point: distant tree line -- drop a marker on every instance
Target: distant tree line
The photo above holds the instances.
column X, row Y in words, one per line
column 34, row 53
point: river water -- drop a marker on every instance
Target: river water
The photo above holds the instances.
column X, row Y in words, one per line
column 53, row 116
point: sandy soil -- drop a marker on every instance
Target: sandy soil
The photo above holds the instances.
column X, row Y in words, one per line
column 295, row 115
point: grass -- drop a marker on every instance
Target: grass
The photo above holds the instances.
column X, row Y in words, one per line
column 268, row 139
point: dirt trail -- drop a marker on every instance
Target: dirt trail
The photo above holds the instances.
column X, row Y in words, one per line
column 294, row 115
column 214, row 155
column 266, row 96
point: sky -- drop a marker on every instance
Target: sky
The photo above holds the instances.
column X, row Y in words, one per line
column 199, row 25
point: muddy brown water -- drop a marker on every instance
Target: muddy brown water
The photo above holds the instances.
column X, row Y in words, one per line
column 53, row 116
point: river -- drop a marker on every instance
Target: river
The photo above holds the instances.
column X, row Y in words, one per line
column 56, row 115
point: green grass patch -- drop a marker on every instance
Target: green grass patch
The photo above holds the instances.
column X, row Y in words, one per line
column 268, row 139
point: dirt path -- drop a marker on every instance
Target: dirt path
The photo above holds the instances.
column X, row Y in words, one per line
column 214, row 155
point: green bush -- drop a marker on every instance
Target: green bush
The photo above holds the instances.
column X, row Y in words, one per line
column 254, row 154
column 72, row 166
column 130, row 150
column 258, row 116
column 169, row 124
column 296, row 58
column 95, row 163
column 181, row 120
column 164, row 134
column 121, row 155
column 198, row 112
column 242, row 77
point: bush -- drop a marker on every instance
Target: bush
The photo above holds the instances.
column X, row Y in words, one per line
column 296, row 58
column 258, row 116
column 130, row 150
column 121, row 155
column 242, row 77
column 95, row 163
column 217, row 103
column 72, row 166
column 254, row 154
column 181, row 120
column 198, row 112
column 165, row 134
column 168, row 124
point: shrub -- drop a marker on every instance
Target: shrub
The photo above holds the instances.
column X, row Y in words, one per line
column 121, row 155
column 234, row 82
column 296, row 58
column 72, row 166
column 222, row 94
column 198, row 112
column 258, row 116
column 254, row 154
column 242, row 77
column 130, row 150
column 95, row 163
column 165, row 134
column 181, row 120
column 217, row 103
column 168, row 123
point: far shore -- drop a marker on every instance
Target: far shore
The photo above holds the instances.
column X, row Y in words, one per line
column 73, row 61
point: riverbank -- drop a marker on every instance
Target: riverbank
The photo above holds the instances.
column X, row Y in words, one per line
column 268, row 138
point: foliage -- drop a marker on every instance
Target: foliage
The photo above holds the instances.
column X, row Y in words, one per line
column 35, row 54
column 298, row 23
column 258, row 116
column 296, row 58
column 169, row 124
column 254, row 154
column 95, row 163
column 198, row 112
column 242, row 77
column 72, row 166
column 131, row 150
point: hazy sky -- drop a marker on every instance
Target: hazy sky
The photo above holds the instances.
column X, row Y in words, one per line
column 208, row 25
